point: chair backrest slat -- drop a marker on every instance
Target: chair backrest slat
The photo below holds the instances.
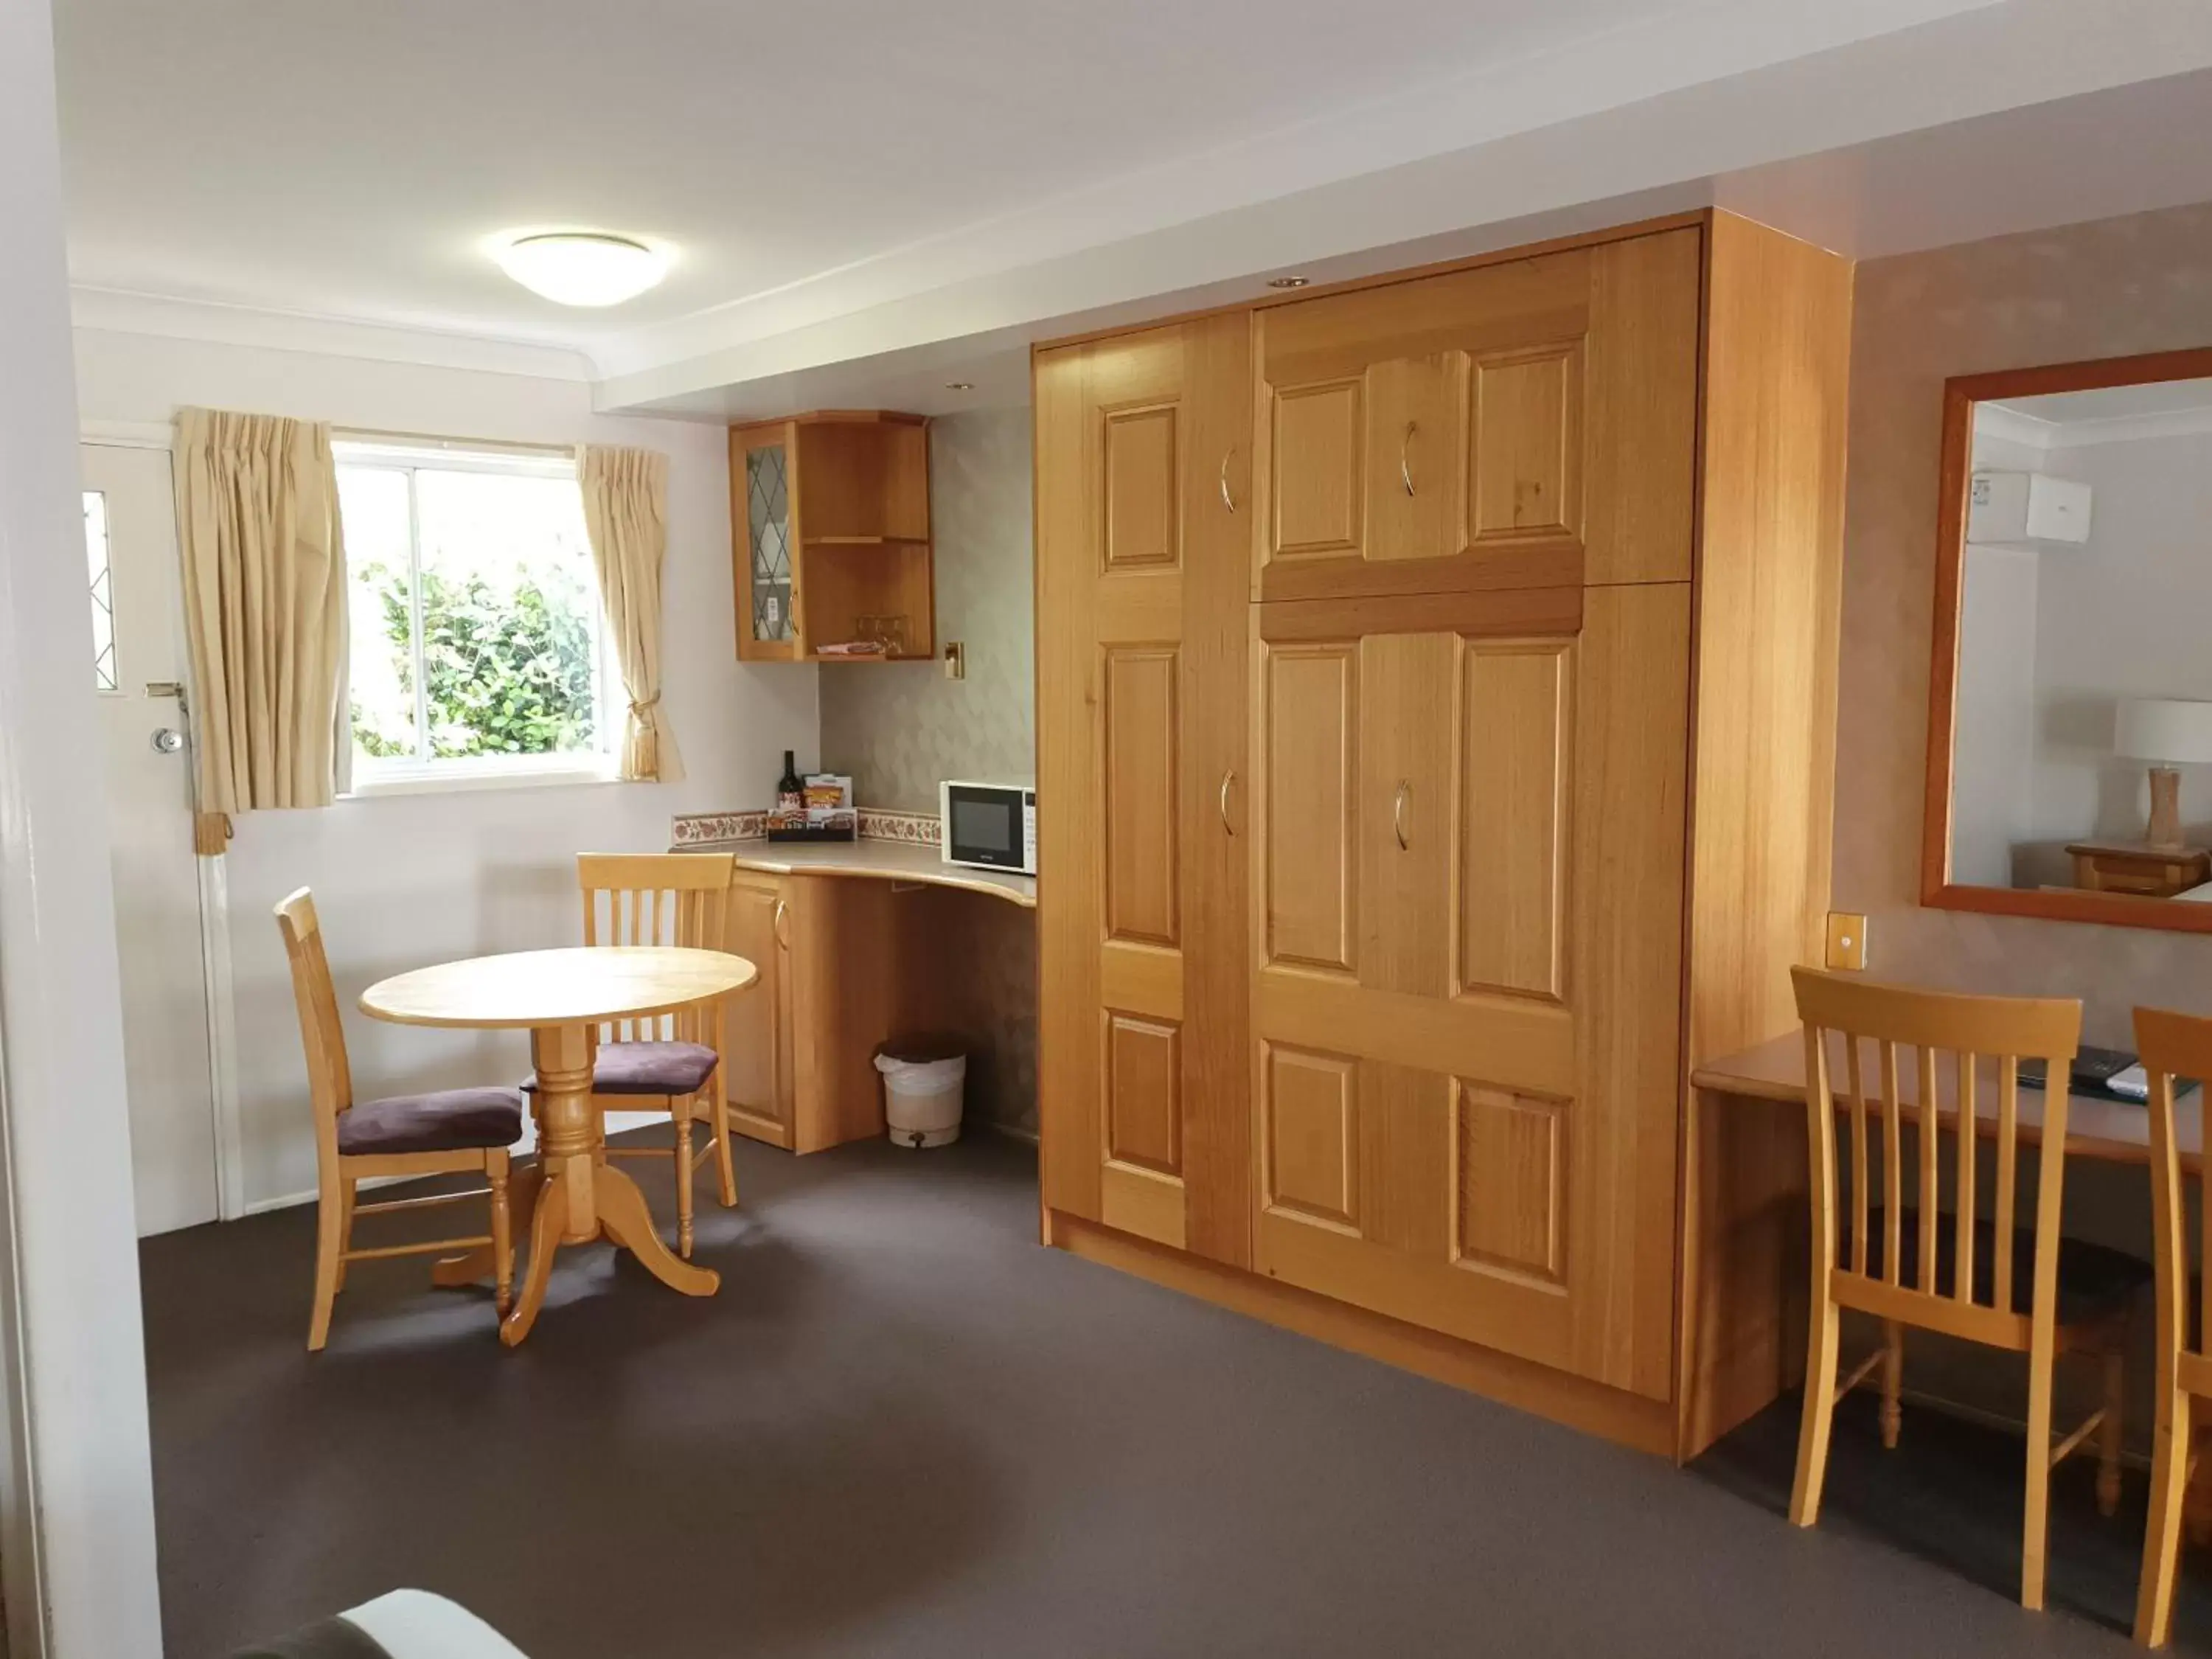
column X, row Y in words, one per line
column 1975, row 1032
column 1969, row 1147
column 678, row 899
column 1931, row 1158
column 1893, row 1164
column 2007, row 1162
column 2175, row 1046
column 329, row 1076
column 1860, row 1200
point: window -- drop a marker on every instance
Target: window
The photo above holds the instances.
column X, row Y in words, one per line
column 103, row 592
column 478, row 649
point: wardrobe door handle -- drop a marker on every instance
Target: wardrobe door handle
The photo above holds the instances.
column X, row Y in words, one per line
column 1397, row 814
column 1405, row 463
column 1227, row 779
column 1227, row 500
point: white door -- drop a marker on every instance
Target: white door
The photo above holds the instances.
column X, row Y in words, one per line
column 130, row 527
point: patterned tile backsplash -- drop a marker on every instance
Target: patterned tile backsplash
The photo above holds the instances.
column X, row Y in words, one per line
column 701, row 828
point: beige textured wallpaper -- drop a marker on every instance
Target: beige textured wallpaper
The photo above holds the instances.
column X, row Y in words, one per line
column 2110, row 288
column 901, row 728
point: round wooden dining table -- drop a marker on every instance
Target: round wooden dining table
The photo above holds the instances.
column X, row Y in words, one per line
column 572, row 1195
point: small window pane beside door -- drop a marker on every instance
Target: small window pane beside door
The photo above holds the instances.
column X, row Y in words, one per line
column 104, row 677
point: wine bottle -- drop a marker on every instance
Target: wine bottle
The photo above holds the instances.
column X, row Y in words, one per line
column 790, row 793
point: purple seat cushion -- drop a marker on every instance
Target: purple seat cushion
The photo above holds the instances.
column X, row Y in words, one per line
column 447, row 1121
column 650, row 1068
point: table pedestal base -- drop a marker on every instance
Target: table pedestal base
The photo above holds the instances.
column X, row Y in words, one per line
column 572, row 1195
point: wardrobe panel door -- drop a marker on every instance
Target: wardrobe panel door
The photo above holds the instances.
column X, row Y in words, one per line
column 1408, row 720
column 1309, row 703
column 1526, row 463
column 1417, row 442
column 1529, row 423
column 1504, row 1069
column 1320, row 456
column 1516, row 769
column 1142, row 743
column 1142, row 572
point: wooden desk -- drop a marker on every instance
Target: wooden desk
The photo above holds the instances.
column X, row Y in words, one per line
column 859, row 942
column 572, row 1195
column 1748, row 1227
column 879, row 860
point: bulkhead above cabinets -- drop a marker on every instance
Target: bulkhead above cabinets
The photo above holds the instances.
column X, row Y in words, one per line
column 830, row 540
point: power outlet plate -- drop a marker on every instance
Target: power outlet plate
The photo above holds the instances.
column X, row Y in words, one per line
column 1847, row 944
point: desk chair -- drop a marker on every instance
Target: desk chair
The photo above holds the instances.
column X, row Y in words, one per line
column 448, row 1132
column 673, row 1061
column 2172, row 1045
column 2022, row 1289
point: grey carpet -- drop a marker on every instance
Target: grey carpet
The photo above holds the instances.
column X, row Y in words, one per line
column 903, row 1429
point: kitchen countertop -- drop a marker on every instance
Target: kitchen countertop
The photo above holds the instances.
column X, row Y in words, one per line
column 883, row 860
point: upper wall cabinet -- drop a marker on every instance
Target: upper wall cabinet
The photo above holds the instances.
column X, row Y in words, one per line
column 829, row 523
column 1529, row 423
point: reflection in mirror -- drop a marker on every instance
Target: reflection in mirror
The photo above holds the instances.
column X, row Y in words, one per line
column 2082, row 721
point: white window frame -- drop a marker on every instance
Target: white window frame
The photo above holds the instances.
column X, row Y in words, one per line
column 374, row 775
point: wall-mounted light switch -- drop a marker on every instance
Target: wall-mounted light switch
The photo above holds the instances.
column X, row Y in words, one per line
column 956, row 661
column 1847, row 946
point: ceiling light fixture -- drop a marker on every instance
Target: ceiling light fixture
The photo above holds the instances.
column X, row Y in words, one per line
column 960, row 386
column 1288, row 282
column 582, row 267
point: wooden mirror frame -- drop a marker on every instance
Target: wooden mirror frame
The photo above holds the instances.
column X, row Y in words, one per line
column 1961, row 394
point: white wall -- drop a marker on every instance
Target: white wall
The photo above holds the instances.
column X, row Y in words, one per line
column 404, row 881
column 1993, row 765
column 76, row 1502
column 2128, row 616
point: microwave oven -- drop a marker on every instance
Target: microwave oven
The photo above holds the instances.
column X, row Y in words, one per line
column 992, row 826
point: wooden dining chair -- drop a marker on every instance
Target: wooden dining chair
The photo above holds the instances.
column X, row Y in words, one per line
column 448, row 1132
column 2172, row 1046
column 2022, row 1288
column 674, row 1061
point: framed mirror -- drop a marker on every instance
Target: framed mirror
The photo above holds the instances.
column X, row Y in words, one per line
column 2069, row 747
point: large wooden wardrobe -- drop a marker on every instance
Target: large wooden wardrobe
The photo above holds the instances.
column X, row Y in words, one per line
column 1436, row 714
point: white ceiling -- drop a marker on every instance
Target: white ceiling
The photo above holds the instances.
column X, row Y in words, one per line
column 350, row 160
column 869, row 199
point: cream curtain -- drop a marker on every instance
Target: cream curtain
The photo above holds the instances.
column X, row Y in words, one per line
column 264, row 606
column 626, row 514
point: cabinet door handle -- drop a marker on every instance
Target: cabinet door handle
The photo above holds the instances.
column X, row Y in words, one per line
column 776, row 926
column 1227, row 779
column 1405, row 462
column 1397, row 814
column 1227, row 500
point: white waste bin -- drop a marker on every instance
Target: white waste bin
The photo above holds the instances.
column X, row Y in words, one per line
column 923, row 1081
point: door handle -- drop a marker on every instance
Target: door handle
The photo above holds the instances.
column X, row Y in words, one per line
column 1227, row 500
column 1405, row 461
column 775, row 924
column 1227, row 779
column 167, row 740
column 1397, row 814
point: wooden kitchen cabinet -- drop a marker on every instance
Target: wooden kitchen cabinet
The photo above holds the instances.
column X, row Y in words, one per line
column 844, row 965
column 830, row 536
column 757, row 1024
